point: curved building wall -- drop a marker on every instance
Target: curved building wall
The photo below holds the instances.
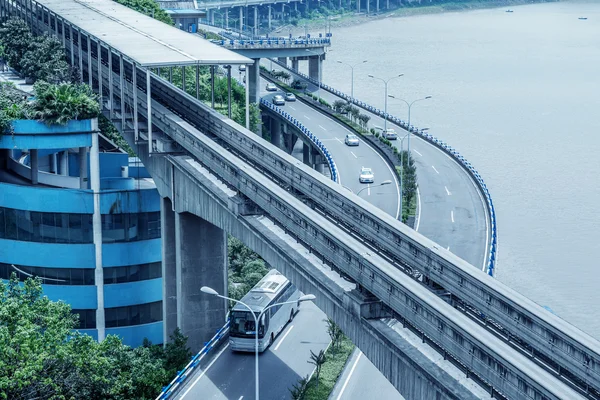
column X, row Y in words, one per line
column 48, row 232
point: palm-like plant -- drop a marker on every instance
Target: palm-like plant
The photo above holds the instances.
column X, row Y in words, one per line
column 59, row 104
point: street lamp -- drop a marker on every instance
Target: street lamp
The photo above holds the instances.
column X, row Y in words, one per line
column 386, row 95
column 318, row 73
column 374, row 186
column 352, row 84
column 408, row 122
column 213, row 292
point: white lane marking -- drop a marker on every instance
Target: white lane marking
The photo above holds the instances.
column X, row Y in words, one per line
column 368, row 189
column 338, row 140
column 419, row 207
column 308, row 118
column 283, row 338
column 322, row 128
column 435, row 169
column 418, row 152
column 349, row 376
column 452, row 216
column 448, row 248
column 241, row 397
column 447, row 191
column 353, row 154
column 294, row 110
column 204, row 372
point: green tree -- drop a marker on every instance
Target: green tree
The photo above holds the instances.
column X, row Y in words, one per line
column 253, row 272
column 176, row 354
column 239, row 255
column 335, row 333
column 45, row 60
column 58, row 104
column 317, row 359
column 16, row 39
column 298, row 390
column 148, row 7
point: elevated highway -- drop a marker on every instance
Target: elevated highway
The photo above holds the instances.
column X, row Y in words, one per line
column 236, row 181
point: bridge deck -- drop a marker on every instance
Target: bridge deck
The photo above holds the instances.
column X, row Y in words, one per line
column 145, row 40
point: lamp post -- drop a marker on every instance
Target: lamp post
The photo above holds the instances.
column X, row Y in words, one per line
column 318, row 73
column 408, row 122
column 374, row 186
column 352, row 81
column 211, row 291
column 386, row 95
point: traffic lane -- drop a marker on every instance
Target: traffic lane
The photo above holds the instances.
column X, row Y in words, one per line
column 348, row 159
column 371, row 381
column 449, row 196
column 231, row 375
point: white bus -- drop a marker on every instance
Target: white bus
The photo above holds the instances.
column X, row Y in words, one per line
column 273, row 288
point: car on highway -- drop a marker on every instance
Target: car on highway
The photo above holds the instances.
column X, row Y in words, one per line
column 271, row 87
column 351, row 140
column 290, row 97
column 278, row 100
column 366, row 175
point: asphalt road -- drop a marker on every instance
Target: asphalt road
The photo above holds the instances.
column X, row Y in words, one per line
column 230, row 375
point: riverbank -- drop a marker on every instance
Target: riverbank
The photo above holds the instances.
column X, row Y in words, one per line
column 353, row 18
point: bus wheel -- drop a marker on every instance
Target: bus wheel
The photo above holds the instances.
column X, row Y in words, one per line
column 291, row 315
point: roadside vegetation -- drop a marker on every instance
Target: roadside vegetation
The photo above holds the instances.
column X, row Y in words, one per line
column 328, row 363
column 42, row 357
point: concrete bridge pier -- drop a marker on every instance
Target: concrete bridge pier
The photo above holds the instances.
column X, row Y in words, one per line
column 295, row 63
column 282, row 60
column 226, row 17
column 306, row 154
column 253, row 79
column 275, row 129
column 368, row 6
column 377, row 6
column 194, row 255
column 255, row 27
column 314, row 67
column 241, row 19
column 211, row 14
column 289, row 139
column 269, row 17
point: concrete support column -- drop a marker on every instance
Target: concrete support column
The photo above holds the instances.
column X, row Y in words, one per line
column 83, row 168
column 275, row 130
column 64, row 163
column 241, row 19
column 229, row 91
column 368, row 6
column 306, row 150
column 282, row 60
column 53, row 164
column 377, row 6
column 283, row 12
column 255, row 27
column 227, row 17
column 33, row 163
column 314, row 67
column 295, row 63
column 211, row 13
column 269, row 18
column 169, row 269
column 201, row 260
column 97, row 234
column 253, row 80
column 320, row 168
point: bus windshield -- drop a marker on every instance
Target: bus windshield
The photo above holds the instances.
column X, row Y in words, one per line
column 242, row 325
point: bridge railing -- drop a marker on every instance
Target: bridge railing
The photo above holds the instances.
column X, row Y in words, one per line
column 313, row 139
column 493, row 241
column 272, row 43
column 182, row 375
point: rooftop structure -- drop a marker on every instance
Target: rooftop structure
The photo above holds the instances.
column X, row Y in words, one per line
column 144, row 40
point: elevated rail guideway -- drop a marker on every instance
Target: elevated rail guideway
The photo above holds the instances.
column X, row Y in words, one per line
column 357, row 240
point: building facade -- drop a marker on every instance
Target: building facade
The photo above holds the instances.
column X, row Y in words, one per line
column 94, row 242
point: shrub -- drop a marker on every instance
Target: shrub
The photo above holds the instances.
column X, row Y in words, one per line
column 59, row 104
column 16, row 39
column 45, row 61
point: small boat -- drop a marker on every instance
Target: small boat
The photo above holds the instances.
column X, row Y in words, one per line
column 582, row 18
column 509, row 10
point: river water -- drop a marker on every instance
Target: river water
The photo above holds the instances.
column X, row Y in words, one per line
column 518, row 94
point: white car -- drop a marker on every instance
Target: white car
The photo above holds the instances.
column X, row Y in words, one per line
column 271, row 87
column 351, row 140
column 278, row 100
column 366, row 175
column 290, row 97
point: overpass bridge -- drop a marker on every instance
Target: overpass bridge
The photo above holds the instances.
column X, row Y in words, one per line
column 220, row 177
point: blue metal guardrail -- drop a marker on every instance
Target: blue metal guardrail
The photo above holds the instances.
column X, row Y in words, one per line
column 172, row 387
column 272, row 42
column 315, row 140
column 493, row 252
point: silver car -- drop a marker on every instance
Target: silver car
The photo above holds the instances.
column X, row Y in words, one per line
column 290, row 97
column 271, row 87
column 351, row 140
column 366, row 175
column 278, row 100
